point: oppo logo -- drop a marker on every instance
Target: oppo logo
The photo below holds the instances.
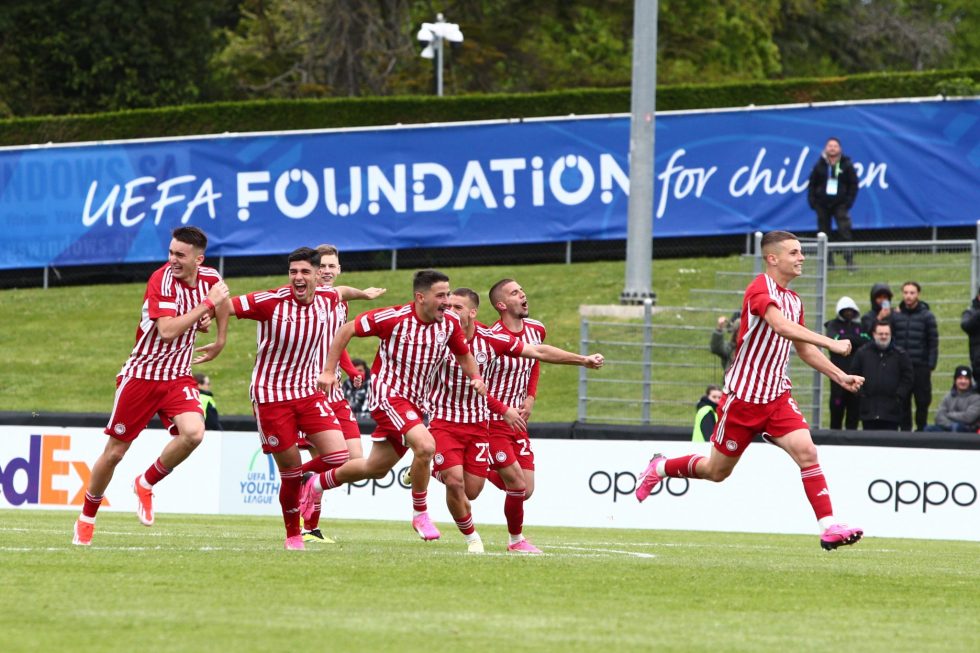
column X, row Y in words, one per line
column 928, row 493
column 624, row 483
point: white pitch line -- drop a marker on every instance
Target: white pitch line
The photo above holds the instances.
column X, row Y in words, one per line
column 634, row 554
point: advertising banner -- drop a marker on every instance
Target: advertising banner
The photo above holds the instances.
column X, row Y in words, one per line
column 917, row 493
column 556, row 180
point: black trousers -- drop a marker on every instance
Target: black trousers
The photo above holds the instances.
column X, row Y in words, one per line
column 879, row 425
column 844, row 407
column 826, row 215
column 922, row 394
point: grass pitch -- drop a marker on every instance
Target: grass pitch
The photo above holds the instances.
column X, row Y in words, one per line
column 204, row 583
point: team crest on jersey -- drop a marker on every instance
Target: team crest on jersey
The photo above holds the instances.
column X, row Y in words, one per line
column 412, row 415
column 500, row 456
column 439, row 459
column 731, row 445
column 119, row 429
column 481, row 357
column 441, row 337
column 321, row 314
column 272, row 440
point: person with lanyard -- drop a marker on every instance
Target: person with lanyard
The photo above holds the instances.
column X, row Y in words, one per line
column 833, row 189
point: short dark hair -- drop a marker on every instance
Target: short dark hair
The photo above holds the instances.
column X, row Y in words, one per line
column 495, row 290
column 469, row 294
column 358, row 361
column 833, row 138
column 192, row 236
column 328, row 250
column 918, row 288
column 774, row 237
column 305, row 254
column 880, row 323
column 711, row 388
column 425, row 279
column 199, row 378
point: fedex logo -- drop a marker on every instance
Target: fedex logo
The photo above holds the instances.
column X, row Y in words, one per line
column 31, row 480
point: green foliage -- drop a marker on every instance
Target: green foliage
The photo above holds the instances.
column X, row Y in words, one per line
column 197, row 582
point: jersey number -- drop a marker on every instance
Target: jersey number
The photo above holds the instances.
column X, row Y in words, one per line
column 192, row 394
column 525, row 447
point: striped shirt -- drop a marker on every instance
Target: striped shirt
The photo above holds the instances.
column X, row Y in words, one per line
column 288, row 340
column 336, row 319
column 409, row 352
column 453, row 398
column 510, row 378
column 758, row 372
column 153, row 359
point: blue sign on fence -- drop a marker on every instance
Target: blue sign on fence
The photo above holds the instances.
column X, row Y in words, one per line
column 720, row 172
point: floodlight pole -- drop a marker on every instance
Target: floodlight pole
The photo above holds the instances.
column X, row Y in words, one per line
column 438, row 48
column 643, row 104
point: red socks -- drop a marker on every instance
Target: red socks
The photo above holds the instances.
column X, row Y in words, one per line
column 514, row 511
column 91, row 505
column 291, row 480
column 683, row 467
column 815, row 486
column 418, row 501
column 465, row 525
column 156, row 472
column 326, row 461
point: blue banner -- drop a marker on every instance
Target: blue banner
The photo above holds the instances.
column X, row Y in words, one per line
column 717, row 172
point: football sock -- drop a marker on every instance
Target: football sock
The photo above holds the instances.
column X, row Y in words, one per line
column 683, row 467
column 91, row 506
column 291, row 481
column 326, row 461
column 815, row 486
column 154, row 474
column 514, row 511
column 419, row 502
column 465, row 525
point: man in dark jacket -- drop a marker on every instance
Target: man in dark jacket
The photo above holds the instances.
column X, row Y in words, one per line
column 970, row 323
column 887, row 372
column 960, row 409
column 833, row 189
column 881, row 307
column 914, row 330
column 844, row 404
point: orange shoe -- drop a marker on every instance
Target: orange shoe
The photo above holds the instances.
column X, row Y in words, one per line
column 144, row 504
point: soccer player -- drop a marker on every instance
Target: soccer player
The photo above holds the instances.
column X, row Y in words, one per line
column 513, row 382
column 414, row 339
column 460, row 422
column 327, row 275
column 181, row 298
column 292, row 321
column 757, row 397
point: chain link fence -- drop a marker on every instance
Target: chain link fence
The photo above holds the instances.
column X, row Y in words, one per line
column 659, row 361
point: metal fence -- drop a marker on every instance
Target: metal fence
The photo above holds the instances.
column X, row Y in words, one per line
column 658, row 361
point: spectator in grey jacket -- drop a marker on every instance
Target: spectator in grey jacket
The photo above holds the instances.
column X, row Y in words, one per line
column 960, row 409
column 914, row 330
column 970, row 323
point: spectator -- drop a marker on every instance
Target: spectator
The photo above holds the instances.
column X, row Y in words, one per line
column 833, row 189
column 725, row 337
column 707, row 414
column 914, row 329
column 881, row 307
column 970, row 322
column 844, row 404
column 212, row 421
column 960, row 409
column 358, row 393
column 887, row 372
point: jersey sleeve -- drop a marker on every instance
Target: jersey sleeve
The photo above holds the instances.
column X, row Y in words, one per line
column 457, row 343
column 758, row 299
column 378, row 322
column 505, row 344
column 532, row 382
column 347, row 365
column 161, row 298
column 254, row 306
column 496, row 406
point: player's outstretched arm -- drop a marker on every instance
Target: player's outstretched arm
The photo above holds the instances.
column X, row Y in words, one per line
column 472, row 372
column 800, row 334
column 549, row 354
column 211, row 350
column 813, row 357
column 327, row 379
column 347, row 293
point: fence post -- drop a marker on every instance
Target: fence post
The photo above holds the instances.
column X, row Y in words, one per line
column 221, row 266
column 45, row 277
column 568, row 252
column 821, row 302
column 757, row 263
column 583, row 381
column 394, row 260
column 975, row 274
column 647, row 355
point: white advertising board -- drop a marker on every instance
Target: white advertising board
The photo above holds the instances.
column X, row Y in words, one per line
column 890, row 492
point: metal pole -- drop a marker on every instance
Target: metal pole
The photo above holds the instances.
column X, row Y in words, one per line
column 45, row 277
column 394, row 260
column 438, row 43
column 221, row 266
column 639, row 231
column 647, row 356
column 583, row 381
column 568, row 252
column 822, row 255
column 757, row 263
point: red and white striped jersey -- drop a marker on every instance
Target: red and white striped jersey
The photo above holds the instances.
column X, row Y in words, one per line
column 336, row 319
column 409, row 352
column 453, row 398
column 288, row 340
column 758, row 373
column 509, row 380
column 152, row 359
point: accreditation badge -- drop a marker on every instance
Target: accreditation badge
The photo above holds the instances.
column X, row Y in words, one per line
column 832, row 185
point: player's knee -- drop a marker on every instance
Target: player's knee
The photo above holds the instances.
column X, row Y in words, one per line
column 424, row 450
column 717, row 474
column 113, row 457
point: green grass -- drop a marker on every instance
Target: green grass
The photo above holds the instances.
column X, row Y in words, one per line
column 197, row 583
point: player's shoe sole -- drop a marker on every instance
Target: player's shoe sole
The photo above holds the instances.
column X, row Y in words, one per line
column 839, row 535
